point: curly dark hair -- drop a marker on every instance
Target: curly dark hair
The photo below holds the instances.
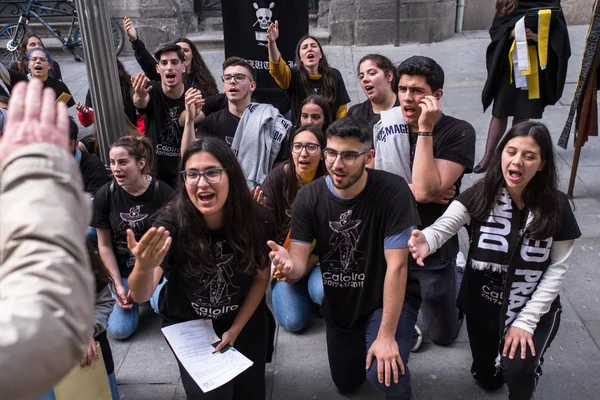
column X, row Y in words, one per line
column 243, row 227
column 506, row 7
column 199, row 75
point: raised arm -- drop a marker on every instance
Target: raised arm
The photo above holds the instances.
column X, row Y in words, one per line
column 140, row 91
column 47, row 301
column 431, row 177
column 193, row 107
column 145, row 60
column 277, row 66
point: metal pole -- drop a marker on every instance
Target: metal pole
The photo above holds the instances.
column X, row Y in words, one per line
column 103, row 77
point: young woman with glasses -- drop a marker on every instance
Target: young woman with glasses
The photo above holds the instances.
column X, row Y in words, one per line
column 312, row 74
column 210, row 240
column 293, row 303
column 29, row 43
column 126, row 203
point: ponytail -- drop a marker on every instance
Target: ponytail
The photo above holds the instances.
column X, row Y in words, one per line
column 506, row 7
column 138, row 148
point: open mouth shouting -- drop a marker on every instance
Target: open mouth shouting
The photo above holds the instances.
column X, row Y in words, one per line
column 369, row 90
column 409, row 112
column 170, row 78
column 206, row 198
column 514, row 176
column 303, row 164
column 119, row 177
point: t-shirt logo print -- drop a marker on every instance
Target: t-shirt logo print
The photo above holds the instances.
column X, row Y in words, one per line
column 220, row 286
column 343, row 240
column 132, row 220
column 170, row 131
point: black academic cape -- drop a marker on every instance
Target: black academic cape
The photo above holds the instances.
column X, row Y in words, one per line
column 559, row 51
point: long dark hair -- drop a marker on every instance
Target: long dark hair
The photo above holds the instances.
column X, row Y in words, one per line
column 328, row 89
column 506, row 7
column 322, row 103
column 125, row 83
column 243, row 227
column 199, row 74
column 383, row 63
column 290, row 186
column 541, row 193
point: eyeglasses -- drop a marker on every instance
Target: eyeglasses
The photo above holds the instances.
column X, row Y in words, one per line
column 34, row 59
column 348, row 157
column 235, row 77
column 311, row 148
column 192, row 177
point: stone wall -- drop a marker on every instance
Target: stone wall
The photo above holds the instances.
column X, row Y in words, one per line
column 374, row 22
column 479, row 13
column 156, row 21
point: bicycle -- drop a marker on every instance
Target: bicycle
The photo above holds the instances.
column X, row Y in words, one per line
column 12, row 35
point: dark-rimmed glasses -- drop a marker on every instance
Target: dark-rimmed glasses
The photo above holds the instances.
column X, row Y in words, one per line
column 235, row 77
column 348, row 157
column 192, row 177
column 311, row 148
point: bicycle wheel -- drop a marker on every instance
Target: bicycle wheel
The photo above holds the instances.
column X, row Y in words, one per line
column 117, row 35
column 10, row 41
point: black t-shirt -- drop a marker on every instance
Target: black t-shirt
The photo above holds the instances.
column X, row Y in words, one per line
column 215, row 103
column 350, row 236
column 365, row 112
column 117, row 210
column 568, row 229
column 297, row 94
column 453, row 140
column 161, row 119
column 56, row 85
column 217, row 296
column 221, row 124
column 93, row 172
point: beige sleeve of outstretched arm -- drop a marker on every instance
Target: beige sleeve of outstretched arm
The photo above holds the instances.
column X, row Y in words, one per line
column 46, row 284
column 446, row 226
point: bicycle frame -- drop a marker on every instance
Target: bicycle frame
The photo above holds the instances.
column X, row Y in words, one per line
column 31, row 12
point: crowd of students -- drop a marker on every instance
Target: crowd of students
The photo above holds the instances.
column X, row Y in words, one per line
column 354, row 213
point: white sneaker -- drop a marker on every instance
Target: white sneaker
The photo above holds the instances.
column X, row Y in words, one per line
column 417, row 339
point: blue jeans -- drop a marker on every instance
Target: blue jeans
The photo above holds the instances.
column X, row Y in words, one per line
column 123, row 323
column 112, row 381
column 347, row 349
column 292, row 303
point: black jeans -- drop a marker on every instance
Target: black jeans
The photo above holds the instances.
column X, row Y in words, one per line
column 347, row 350
column 521, row 376
column 250, row 384
column 439, row 289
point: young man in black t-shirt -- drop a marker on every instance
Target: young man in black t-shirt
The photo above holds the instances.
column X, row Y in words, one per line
column 361, row 220
column 162, row 103
column 439, row 150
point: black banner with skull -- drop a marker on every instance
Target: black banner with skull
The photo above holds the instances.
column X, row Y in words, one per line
column 245, row 24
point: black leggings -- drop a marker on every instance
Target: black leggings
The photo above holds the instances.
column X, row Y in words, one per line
column 521, row 376
column 250, row 384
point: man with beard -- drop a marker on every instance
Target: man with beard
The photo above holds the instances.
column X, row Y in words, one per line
column 255, row 132
column 431, row 151
column 162, row 103
column 361, row 220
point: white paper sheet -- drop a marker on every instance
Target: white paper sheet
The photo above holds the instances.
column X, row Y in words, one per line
column 192, row 343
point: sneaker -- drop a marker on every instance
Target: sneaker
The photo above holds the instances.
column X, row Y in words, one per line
column 461, row 262
column 417, row 339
